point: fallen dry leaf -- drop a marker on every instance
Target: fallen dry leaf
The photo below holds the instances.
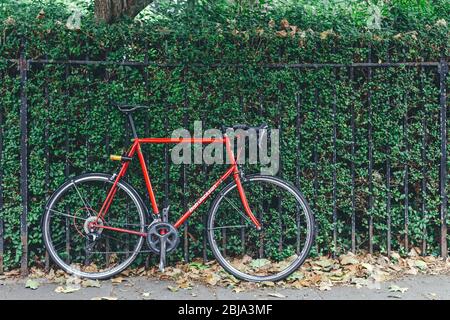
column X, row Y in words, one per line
column 117, row 280
column 104, row 298
column 422, row 265
column 90, row 283
column 348, row 259
column 212, row 279
column 276, row 295
column 238, row 289
column 67, row 289
column 268, row 283
column 173, row 289
column 32, row 284
column 395, row 288
column 284, row 24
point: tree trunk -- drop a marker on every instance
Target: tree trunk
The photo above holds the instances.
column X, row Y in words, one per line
column 110, row 11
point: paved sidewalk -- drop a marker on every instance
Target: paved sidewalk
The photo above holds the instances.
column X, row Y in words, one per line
column 428, row 287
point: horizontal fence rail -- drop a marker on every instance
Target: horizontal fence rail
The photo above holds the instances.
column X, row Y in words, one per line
column 361, row 226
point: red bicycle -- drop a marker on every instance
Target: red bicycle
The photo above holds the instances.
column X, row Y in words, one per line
column 260, row 227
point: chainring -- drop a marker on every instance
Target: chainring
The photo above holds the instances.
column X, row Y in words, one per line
column 162, row 231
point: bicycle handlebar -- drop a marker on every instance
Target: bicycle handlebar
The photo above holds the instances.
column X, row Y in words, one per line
column 261, row 130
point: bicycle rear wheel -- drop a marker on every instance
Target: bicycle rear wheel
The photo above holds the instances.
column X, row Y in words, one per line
column 94, row 253
column 272, row 253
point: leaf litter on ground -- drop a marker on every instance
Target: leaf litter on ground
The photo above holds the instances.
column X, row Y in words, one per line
column 32, row 284
column 360, row 270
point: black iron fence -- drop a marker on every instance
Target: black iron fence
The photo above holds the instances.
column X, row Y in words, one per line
column 26, row 66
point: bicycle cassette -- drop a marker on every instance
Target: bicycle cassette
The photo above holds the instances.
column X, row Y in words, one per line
column 162, row 231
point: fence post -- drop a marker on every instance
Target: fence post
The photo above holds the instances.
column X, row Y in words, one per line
column 443, row 70
column 406, row 177
column 316, row 161
column 334, row 142
column 47, row 157
column 1, row 192
column 353, row 174
column 23, row 68
column 370, row 151
column 423, row 154
column 298, row 125
column 183, row 168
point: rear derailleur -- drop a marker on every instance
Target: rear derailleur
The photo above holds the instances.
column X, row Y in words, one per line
column 91, row 241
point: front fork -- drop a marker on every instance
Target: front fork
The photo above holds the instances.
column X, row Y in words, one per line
column 239, row 176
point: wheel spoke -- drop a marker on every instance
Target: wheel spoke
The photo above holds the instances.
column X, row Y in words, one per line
column 228, row 227
column 86, row 205
column 261, row 255
column 112, row 251
column 238, row 210
column 67, row 215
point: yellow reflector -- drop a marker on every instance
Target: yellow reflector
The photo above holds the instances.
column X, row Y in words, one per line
column 114, row 157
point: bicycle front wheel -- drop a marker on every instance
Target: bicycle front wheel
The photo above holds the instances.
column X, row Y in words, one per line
column 86, row 251
column 284, row 241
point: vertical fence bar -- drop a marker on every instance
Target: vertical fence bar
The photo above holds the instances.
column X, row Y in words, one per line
column 316, row 161
column 298, row 123
column 334, row 168
column 23, row 66
column 183, row 171
column 1, row 190
column 388, row 191
column 205, row 215
column 264, row 205
column 108, row 151
column 297, row 167
column 87, row 116
column 370, row 151
column 47, row 158
column 424, row 181
column 423, row 151
column 166, row 161
column 280, row 173
column 316, row 141
column 406, row 178
column 388, row 199
column 443, row 70
column 388, row 184
column 352, row 169
column 242, row 222
column 184, row 206
column 66, row 164
column 146, row 127
column 126, row 139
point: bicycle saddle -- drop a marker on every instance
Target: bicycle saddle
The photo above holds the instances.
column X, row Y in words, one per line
column 126, row 108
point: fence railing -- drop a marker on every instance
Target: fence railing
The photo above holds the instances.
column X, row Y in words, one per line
column 441, row 67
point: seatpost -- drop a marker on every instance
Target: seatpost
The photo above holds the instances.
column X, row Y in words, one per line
column 133, row 128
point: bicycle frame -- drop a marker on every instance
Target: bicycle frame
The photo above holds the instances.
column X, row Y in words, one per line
column 136, row 148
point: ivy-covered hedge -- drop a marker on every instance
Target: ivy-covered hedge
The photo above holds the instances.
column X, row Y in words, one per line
column 209, row 66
